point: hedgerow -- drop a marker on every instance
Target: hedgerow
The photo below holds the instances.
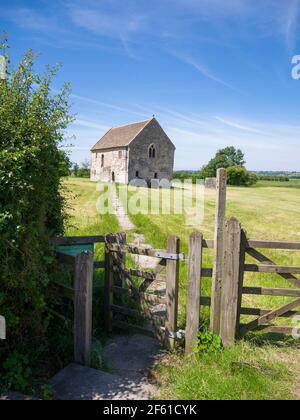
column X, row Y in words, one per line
column 32, row 124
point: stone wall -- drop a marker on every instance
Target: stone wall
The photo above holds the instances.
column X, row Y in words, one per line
column 115, row 164
column 141, row 164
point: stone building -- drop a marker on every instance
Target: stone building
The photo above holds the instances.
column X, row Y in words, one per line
column 141, row 150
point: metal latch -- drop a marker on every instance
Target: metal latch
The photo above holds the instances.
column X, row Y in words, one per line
column 169, row 256
column 178, row 335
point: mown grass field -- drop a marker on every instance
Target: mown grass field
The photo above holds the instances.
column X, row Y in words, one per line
column 259, row 366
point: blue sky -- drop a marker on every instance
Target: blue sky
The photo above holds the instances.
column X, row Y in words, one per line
column 214, row 72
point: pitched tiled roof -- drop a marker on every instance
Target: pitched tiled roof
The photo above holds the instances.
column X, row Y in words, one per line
column 120, row 136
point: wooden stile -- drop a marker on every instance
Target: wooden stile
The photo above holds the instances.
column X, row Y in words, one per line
column 218, row 250
column 83, row 289
column 172, row 292
column 194, row 291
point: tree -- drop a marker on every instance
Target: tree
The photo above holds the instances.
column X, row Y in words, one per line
column 224, row 158
column 238, row 175
column 32, row 206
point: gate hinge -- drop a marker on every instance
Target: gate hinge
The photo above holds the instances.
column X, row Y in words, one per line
column 169, row 255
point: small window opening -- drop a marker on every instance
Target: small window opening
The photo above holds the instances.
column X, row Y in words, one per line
column 152, row 151
column 120, row 154
column 113, row 177
column 137, row 174
column 102, row 161
column 155, row 175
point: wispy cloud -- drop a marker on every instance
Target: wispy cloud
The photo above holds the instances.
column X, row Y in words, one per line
column 110, row 106
column 89, row 124
column 105, row 23
column 238, row 125
column 291, row 23
column 203, row 69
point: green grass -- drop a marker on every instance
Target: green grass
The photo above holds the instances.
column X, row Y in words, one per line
column 242, row 372
column 85, row 220
column 269, row 210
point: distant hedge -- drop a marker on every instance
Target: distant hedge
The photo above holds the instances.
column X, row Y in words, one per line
column 32, row 123
column 273, row 178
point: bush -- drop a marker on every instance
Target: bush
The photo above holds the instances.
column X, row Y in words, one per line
column 238, row 175
column 32, row 123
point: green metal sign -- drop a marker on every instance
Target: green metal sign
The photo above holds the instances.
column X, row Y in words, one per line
column 75, row 250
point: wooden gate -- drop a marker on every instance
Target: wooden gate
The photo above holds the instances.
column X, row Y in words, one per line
column 128, row 303
column 266, row 317
column 236, row 249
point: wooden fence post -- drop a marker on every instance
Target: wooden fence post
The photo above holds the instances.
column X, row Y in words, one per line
column 241, row 277
column 108, row 290
column 230, row 283
column 172, row 292
column 218, row 251
column 83, row 285
column 120, row 261
column 194, row 291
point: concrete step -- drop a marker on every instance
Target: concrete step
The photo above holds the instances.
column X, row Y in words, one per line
column 129, row 357
column 77, row 382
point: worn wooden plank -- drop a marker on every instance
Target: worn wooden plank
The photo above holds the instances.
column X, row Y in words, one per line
column 260, row 312
column 194, row 291
column 131, row 249
column 143, row 274
column 274, row 329
column 269, row 244
column 265, row 260
column 270, row 316
column 218, row 250
column 83, row 285
column 264, row 291
column 172, row 292
column 230, row 284
column 269, row 268
column 76, row 240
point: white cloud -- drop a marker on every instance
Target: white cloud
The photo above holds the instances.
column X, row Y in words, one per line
column 27, row 18
column 104, row 23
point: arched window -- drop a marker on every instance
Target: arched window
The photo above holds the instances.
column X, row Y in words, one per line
column 152, row 151
column 102, row 161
